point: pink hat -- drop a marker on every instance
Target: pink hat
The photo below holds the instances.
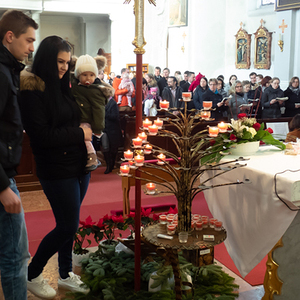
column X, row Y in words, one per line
column 153, row 90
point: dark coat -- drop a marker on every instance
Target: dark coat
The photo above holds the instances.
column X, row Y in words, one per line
column 290, row 109
column 59, row 150
column 162, row 83
column 11, row 129
column 197, row 97
column 167, row 95
column 271, row 110
column 112, row 125
column 215, row 98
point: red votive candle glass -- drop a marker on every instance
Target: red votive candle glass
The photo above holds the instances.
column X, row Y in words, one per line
column 137, row 142
column 148, row 149
column 161, row 159
column 153, row 129
column 159, row 123
column 139, row 160
column 163, row 219
column 128, row 155
column 124, row 169
column 143, row 137
column 164, row 104
column 213, row 131
column 150, row 186
column 171, row 229
column 146, row 123
column 218, row 225
column 207, row 105
column 212, row 222
column 199, row 225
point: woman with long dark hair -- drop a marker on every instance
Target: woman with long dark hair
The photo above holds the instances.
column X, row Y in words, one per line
column 51, row 119
column 199, row 91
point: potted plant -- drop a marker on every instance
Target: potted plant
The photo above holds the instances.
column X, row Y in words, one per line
column 104, row 232
column 81, row 242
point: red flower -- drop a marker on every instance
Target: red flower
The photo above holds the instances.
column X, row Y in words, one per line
column 88, row 222
column 117, row 219
column 256, row 126
column 155, row 217
column 173, row 211
column 146, row 212
column 131, row 215
column 270, row 130
column 106, row 217
column 232, row 137
column 100, row 224
column 212, row 142
column 241, row 116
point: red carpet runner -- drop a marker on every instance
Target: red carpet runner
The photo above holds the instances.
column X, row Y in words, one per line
column 105, row 194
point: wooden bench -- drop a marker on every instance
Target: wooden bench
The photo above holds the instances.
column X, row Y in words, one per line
column 128, row 181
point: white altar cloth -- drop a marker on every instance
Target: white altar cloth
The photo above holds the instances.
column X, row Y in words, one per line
column 252, row 214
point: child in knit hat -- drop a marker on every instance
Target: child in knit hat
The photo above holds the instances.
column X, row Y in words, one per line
column 91, row 95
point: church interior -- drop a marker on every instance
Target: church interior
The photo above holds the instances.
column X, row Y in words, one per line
column 195, row 35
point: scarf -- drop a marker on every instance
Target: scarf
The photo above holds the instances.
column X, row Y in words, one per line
column 295, row 90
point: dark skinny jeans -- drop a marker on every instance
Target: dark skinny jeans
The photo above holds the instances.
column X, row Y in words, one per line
column 65, row 197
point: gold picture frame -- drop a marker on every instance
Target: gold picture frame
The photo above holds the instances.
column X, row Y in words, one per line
column 262, row 46
column 242, row 49
column 281, row 5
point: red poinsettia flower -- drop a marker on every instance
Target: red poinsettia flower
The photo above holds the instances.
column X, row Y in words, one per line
column 100, row 224
column 256, row 126
column 131, row 214
column 270, row 130
column 173, row 211
column 232, row 137
column 106, row 217
column 146, row 212
column 241, row 116
column 88, row 222
column 212, row 142
column 118, row 219
column 155, row 217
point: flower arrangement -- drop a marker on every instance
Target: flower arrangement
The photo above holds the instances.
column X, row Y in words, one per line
column 245, row 130
column 240, row 131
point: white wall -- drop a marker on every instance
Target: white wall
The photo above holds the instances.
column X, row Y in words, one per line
column 209, row 42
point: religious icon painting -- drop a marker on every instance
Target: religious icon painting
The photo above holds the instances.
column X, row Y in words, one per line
column 243, row 42
column 262, row 46
column 178, row 13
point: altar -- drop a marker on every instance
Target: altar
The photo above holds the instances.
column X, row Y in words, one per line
column 256, row 214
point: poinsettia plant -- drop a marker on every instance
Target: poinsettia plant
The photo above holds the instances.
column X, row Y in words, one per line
column 84, row 230
column 106, row 226
column 241, row 131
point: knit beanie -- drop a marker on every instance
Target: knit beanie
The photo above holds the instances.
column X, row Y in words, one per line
column 85, row 63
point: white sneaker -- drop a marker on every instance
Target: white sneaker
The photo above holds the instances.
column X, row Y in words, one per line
column 40, row 288
column 73, row 284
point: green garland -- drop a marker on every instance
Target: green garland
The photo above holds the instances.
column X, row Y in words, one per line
column 110, row 276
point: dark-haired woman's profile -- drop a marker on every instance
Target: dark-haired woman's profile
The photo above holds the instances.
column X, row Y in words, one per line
column 51, row 119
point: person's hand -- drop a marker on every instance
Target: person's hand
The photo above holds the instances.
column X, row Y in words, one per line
column 175, row 112
column 297, row 105
column 280, row 102
column 273, row 101
column 226, row 102
column 87, row 134
column 219, row 104
column 11, row 202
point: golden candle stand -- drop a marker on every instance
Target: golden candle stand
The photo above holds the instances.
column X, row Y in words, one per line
column 192, row 250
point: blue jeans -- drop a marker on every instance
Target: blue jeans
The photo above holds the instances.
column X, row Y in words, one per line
column 14, row 253
column 65, row 197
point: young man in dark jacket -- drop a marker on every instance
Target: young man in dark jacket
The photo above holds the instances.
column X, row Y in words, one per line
column 17, row 34
column 173, row 94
